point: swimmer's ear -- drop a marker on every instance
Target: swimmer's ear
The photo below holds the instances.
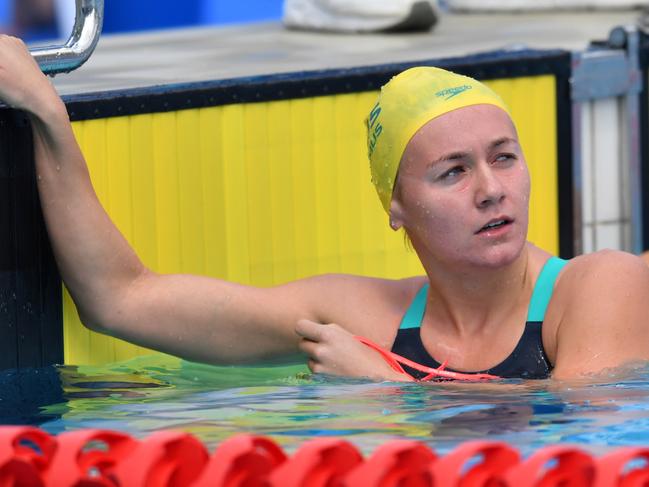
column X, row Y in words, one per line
column 396, row 214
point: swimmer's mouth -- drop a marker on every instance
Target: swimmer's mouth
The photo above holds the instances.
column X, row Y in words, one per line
column 495, row 223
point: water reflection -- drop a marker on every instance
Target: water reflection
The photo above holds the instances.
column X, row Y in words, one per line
column 214, row 403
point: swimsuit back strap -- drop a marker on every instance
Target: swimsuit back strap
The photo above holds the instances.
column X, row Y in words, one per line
column 543, row 288
column 415, row 313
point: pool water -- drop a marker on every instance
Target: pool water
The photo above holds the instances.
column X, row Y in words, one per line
column 291, row 406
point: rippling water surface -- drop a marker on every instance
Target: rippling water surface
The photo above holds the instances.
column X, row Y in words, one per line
column 291, row 406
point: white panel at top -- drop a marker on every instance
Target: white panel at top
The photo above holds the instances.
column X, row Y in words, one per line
column 537, row 5
column 609, row 236
column 606, row 154
column 587, row 163
column 588, row 239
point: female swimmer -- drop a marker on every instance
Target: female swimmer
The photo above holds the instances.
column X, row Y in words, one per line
column 449, row 170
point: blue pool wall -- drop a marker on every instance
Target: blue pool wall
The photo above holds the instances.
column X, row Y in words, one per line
column 128, row 16
column 6, row 14
column 142, row 15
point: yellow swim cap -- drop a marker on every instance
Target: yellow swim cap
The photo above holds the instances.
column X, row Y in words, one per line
column 406, row 103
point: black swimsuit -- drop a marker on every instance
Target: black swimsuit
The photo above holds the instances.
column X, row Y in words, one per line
column 527, row 361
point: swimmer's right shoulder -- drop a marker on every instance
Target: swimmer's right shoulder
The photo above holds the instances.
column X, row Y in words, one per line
column 392, row 293
column 406, row 286
column 380, row 292
column 368, row 306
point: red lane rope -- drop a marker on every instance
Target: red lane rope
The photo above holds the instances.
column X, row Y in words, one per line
column 30, row 457
column 395, row 360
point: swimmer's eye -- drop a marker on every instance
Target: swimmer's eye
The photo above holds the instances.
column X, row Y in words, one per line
column 505, row 158
column 452, row 173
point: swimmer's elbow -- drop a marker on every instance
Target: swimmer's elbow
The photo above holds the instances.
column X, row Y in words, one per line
column 94, row 321
column 113, row 307
column 104, row 316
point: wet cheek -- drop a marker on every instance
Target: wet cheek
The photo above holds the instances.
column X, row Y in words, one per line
column 463, row 187
column 524, row 195
column 440, row 220
column 520, row 183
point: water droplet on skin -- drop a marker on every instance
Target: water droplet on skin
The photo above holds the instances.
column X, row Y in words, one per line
column 58, row 168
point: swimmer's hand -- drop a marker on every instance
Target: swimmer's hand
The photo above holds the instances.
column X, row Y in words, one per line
column 333, row 350
column 22, row 84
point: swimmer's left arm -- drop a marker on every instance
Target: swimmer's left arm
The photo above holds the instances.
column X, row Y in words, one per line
column 602, row 306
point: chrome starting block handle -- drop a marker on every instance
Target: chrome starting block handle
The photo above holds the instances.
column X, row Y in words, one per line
column 81, row 44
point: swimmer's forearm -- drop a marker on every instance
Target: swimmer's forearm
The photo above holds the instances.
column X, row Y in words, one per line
column 94, row 259
column 92, row 255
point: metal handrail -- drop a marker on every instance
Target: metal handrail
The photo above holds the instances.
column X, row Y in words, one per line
column 81, row 44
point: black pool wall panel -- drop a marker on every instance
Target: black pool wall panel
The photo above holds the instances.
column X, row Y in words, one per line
column 644, row 137
column 30, row 286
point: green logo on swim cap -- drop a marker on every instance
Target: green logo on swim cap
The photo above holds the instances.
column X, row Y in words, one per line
column 451, row 92
column 374, row 127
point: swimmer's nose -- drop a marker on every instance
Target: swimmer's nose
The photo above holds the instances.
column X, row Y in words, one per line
column 489, row 188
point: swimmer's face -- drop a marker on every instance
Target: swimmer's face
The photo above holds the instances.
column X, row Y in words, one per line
column 463, row 189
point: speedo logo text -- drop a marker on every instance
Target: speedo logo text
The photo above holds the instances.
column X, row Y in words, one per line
column 449, row 93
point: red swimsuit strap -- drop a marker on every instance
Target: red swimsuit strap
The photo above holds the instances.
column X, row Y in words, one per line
column 395, row 361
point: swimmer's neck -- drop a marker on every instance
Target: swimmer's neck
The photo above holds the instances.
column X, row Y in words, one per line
column 471, row 301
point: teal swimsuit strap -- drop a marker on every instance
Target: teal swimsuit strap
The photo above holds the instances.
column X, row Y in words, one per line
column 415, row 314
column 536, row 312
column 543, row 288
